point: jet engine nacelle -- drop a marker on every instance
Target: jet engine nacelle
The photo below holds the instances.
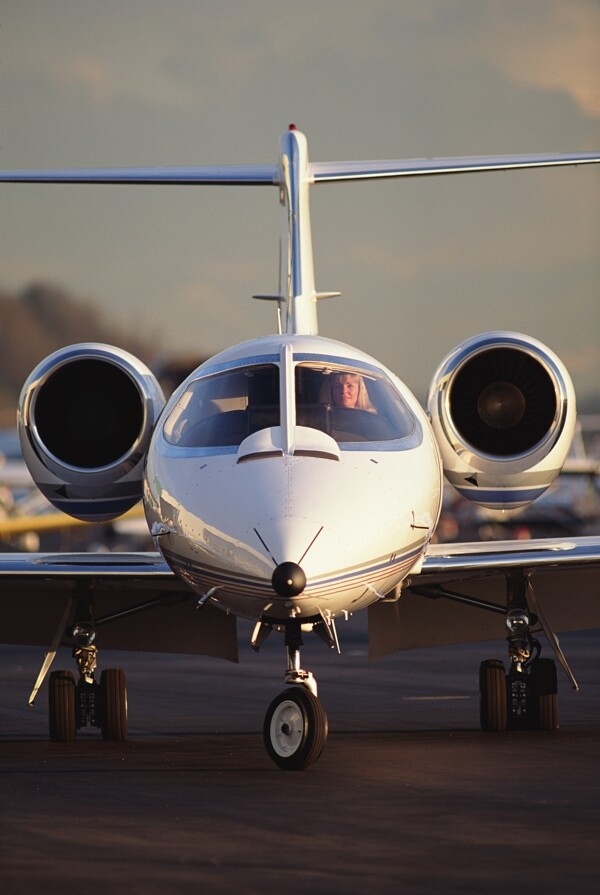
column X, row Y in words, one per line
column 85, row 419
column 502, row 407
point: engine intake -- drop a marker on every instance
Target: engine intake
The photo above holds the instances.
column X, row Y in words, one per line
column 503, row 410
column 86, row 416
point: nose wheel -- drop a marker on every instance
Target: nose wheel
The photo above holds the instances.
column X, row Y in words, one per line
column 295, row 729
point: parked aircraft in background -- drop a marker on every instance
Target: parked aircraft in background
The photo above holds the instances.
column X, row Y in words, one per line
column 294, row 480
column 569, row 507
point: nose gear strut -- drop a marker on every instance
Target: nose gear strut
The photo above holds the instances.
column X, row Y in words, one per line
column 294, row 673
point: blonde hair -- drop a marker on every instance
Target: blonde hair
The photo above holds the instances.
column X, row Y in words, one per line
column 362, row 402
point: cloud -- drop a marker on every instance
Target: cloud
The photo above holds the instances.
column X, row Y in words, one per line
column 584, row 360
column 144, row 52
column 104, row 81
column 109, row 55
column 551, row 46
column 185, row 54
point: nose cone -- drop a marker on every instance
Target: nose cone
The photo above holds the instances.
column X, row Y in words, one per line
column 288, row 579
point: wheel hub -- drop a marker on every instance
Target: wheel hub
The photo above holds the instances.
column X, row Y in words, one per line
column 287, row 728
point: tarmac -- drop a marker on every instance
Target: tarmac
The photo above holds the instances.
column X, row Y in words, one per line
column 408, row 796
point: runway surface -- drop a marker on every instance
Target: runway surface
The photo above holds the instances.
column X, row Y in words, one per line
column 408, row 796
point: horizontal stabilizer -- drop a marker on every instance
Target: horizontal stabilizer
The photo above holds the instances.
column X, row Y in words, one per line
column 269, row 175
column 331, row 171
column 234, row 175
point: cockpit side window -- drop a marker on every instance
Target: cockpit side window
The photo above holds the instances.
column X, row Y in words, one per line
column 350, row 405
column 221, row 410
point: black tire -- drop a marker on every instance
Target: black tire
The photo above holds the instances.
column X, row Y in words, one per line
column 492, row 695
column 544, row 687
column 295, row 729
column 113, row 697
column 61, row 705
column 547, row 712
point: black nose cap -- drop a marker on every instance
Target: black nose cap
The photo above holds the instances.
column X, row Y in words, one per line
column 288, row 579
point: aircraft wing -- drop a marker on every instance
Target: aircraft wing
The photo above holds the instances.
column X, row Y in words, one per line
column 139, row 603
column 431, row 610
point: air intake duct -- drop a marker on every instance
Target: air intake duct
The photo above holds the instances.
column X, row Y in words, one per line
column 86, row 416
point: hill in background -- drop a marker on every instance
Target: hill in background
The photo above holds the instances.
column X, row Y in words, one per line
column 40, row 319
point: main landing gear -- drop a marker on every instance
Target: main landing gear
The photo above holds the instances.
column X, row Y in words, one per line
column 523, row 699
column 86, row 702
column 73, row 705
column 295, row 727
column 76, row 705
column 526, row 697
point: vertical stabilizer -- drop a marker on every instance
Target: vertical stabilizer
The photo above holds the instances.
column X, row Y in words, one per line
column 297, row 270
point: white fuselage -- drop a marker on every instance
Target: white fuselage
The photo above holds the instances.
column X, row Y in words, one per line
column 355, row 514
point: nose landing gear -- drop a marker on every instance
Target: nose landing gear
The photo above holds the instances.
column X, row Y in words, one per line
column 295, row 727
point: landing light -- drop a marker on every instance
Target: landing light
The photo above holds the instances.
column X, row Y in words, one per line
column 84, row 634
column 517, row 621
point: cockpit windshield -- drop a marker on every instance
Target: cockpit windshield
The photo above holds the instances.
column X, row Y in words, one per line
column 223, row 409
column 350, row 405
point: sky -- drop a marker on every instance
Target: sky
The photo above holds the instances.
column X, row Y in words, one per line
column 421, row 264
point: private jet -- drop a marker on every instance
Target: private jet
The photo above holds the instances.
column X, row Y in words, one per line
column 294, row 480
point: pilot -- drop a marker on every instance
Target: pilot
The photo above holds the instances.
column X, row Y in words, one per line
column 347, row 390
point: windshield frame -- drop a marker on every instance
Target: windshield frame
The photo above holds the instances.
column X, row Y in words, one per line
column 288, row 363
